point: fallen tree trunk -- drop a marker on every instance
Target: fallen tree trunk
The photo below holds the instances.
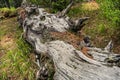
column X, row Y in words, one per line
column 70, row 63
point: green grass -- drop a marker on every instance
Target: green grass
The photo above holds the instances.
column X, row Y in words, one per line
column 7, row 27
column 6, row 12
column 18, row 63
column 15, row 63
column 103, row 23
column 7, row 9
column 110, row 12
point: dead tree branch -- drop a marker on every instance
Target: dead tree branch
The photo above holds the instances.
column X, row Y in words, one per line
column 70, row 63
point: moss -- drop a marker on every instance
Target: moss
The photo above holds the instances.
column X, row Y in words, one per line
column 6, row 12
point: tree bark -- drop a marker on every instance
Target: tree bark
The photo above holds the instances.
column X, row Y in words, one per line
column 70, row 63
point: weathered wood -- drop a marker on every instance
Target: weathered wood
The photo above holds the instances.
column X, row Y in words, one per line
column 65, row 11
column 70, row 63
column 79, row 24
column 71, row 67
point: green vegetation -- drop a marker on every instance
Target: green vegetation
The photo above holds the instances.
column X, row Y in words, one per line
column 16, row 64
column 10, row 3
column 54, row 5
column 16, row 61
column 6, row 12
column 12, row 9
column 104, row 23
column 110, row 11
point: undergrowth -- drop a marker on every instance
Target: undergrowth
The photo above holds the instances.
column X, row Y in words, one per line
column 104, row 21
column 16, row 63
column 6, row 12
column 7, row 9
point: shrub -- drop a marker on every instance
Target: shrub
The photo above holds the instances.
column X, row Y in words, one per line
column 110, row 11
column 55, row 5
column 8, row 12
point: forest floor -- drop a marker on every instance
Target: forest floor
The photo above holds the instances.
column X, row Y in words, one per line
column 7, row 35
column 14, row 59
column 100, row 29
column 16, row 62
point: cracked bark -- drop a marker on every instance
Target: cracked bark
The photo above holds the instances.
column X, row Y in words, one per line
column 70, row 63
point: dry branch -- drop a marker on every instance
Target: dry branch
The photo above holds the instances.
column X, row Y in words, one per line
column 70, row 64
column 65, row 11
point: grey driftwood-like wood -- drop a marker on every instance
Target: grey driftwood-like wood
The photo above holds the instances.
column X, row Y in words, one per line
column 70, row 63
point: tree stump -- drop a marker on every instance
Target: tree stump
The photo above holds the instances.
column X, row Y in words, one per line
column 70, row 63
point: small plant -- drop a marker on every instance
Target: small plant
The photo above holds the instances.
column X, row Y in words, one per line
column 8, row 12
column 102, row 29
column 17, row 64
column 109, row 11
column 7, row 9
